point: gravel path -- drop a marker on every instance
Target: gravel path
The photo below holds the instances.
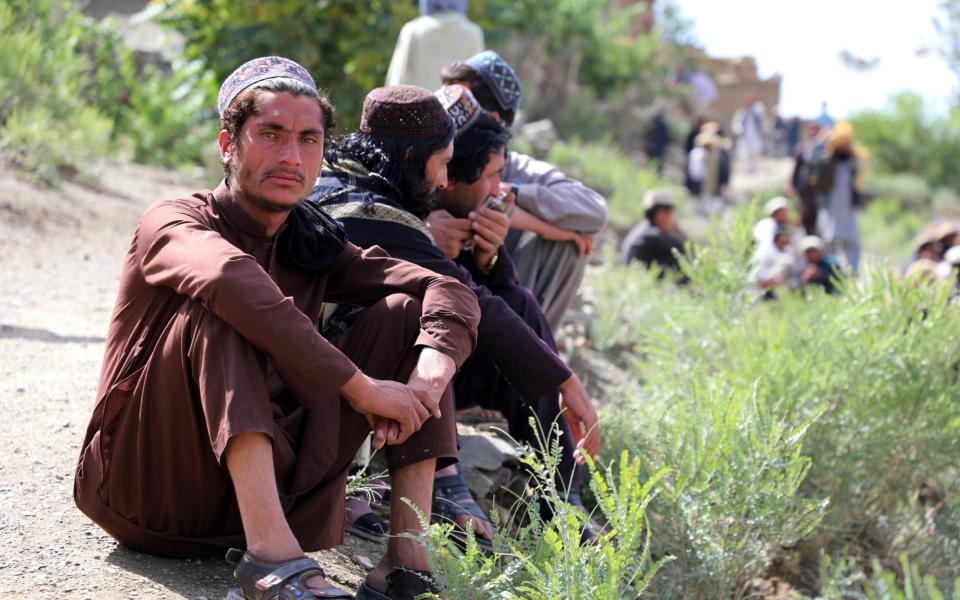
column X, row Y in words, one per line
column 60, row 257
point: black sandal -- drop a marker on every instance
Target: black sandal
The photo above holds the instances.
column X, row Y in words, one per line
column 264, row 580
column 370, row 527
column 402, row 584
column 445, row 508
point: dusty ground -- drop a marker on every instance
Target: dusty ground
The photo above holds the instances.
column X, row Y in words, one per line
column 60, row 256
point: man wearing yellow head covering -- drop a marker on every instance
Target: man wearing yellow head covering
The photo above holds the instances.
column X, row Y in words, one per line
column 838, row 197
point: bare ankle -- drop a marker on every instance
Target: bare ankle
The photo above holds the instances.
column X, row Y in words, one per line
column 407, row 553
column 275, row 548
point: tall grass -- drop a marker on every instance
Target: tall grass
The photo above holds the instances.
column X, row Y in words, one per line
column 794, row 429
column 606, row 169
column 536, row 559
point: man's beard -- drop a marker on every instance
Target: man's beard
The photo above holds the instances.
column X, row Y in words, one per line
column 267, row 205
column 433, row 198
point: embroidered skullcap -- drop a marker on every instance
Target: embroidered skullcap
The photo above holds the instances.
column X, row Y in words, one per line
column 499, row 76
column 460, row 104
column 404, row 112
column 257, row 70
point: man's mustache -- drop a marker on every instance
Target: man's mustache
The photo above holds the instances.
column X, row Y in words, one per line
column 285, row 172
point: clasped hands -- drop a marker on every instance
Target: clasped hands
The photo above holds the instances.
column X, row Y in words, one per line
column 485, row 227
column 395, row 410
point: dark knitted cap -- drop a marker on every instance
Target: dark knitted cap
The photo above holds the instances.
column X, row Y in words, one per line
column 500, row 76
column 404, row 112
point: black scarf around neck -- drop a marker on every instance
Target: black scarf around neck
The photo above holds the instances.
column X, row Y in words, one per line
column 311, row 240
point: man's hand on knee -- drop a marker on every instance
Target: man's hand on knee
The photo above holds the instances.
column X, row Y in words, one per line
column 581, row 416
column 431, row 377
column 395, row 411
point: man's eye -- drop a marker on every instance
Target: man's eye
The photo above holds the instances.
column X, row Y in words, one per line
column 310, row 140
column 270, row 135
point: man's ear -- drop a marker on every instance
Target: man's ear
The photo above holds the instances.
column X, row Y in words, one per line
column 226, row 150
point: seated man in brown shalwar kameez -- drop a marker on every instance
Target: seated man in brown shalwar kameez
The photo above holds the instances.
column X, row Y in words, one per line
column 223, row 417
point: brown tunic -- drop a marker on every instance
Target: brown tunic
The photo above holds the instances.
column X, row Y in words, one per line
column 211, row 336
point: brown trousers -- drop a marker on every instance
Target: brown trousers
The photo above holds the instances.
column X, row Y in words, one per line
column 153, row 475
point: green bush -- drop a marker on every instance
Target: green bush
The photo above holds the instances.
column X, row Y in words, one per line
column 346, row 45
column 46, row 124
column 74, row 93
column 912, row 192
column 604, row 168
column 170, row 120
column 889, row 230
column 844, row 578
column 545, row 560
column 909, row 137
column 793, row 427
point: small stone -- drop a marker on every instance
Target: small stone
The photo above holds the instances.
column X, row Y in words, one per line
column 363, row 561
column 483, row 484
column 479, row 452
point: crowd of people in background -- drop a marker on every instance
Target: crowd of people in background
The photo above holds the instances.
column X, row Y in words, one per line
column 812, row 237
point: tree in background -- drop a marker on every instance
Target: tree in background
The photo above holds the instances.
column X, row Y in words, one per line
column 572, row 55
column 588, row 65
column 345, row 44
column 948, row 26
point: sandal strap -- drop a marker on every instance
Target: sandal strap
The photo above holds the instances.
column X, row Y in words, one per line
column 262, row 579
column 302, row 566
column 452, row 487
column 410, row 583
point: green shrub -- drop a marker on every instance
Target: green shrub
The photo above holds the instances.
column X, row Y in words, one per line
column 911, row 192
column 46, row 125
column 74, row 93
column 814, row 411
column 909, row 137
column 545, row 560
column 889, row 230
column 170, row 119
column 40, row 143
column 345, row 45
column 604, row 168
column 844, row 578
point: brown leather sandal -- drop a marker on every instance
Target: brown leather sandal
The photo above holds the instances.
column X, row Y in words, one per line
column 286, row 580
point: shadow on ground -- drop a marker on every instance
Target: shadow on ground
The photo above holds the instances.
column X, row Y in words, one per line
column 208, row 578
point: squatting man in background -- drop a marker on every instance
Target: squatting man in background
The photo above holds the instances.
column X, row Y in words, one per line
column 223, row 417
